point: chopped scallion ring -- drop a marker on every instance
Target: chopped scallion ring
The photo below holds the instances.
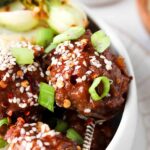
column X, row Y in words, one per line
column 61, row 126
column 106, row 88
column 3, row 121
column 100, row 41
column 44, row 36
column 72, row 33
column 24, row 56
column 46, row 96
column 50, row 47
column 74, row 136
column 3, row 143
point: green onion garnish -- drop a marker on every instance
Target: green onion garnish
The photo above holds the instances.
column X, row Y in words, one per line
column 44, row 36
column 46, row 96
column 3, row 121
column 61, row 126
column 3, row 143
column 106, row 88
column 72, row 33
column 50, row 47
column 24, row 56
column 100, row 41
column 74, row 136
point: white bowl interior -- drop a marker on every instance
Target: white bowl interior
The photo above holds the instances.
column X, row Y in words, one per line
column 124, row 137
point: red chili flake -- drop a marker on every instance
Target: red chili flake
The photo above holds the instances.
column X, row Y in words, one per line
column 90, row 121
column 27, row 113
column 10, row 95
column 9, row 113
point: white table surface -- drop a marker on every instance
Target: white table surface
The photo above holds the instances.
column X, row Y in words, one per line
column 124, row 18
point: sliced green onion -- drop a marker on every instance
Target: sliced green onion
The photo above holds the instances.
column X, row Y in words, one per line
column 24, row 56
column 106, row 88
column 44, row 36
column 50, row 47
column 3, row 121
column 100, row 41
column 61, row 126
column 72, row 33
column 74, row 136
column 3, row 143
column 46, row 96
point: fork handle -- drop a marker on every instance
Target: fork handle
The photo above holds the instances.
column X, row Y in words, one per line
column 89, row 135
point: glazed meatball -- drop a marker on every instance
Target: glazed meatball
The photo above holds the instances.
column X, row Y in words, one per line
column 36, row 136
column 19, row 84
column 73, row 67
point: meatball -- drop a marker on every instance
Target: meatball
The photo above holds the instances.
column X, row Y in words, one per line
column 73, row 67
column 19, row 84
column 36, row 136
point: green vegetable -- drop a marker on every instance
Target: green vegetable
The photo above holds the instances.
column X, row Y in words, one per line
column 46, row 97
column 61, row 126
column 3, row 143
column 23, row 56
column 106, row 88
column 100, row 41
column 74, row 136
column 50, row 47
column 4, row 2
column 3, row 121
column 20, row 20
column 64, row 16
column 71, row 34
column 33, row 4
column 44, row 36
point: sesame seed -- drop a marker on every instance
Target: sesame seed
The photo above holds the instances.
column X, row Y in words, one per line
column 84, row 78
column 46, row 143
column 22, row 105
column 87, row 110
column 84, row 63
column 88, row 72
column 47, row 72
column 26, row 125
column 79, row 80
column 21, row 89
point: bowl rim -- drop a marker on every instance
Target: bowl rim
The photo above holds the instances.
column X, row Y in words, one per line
column 125, row 134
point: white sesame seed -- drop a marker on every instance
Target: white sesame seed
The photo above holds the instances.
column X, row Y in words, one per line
column 79, row 80
column 46, row 143
column 22, row 105
column 47, row 72
column 84, row 78
column 88, row 72
column 26, row 125
column 96, row 53
column 17, row 84
column 21, row 89
column 87, row 110
column 77, row 67
column 84, row 63
column 34, row 129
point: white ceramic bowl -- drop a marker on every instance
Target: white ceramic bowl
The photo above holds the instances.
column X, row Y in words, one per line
column 98, row 2
column 124, row 137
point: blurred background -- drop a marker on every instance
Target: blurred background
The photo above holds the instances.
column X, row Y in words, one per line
column 130, row 20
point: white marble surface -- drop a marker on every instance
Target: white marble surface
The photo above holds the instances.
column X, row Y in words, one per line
column 124, row 18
